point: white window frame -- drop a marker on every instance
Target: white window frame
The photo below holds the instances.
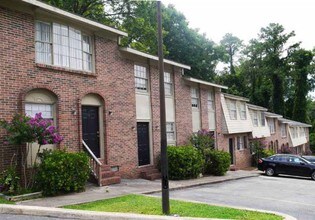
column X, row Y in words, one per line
column 71, row 56
column 168, row 83
column 243, row 115
column 283, row 130
column 170, row 130
column 255, row 118
column 232, row 110
column 240, row 142
column 210, row 101
column 262, row 119
column 272, row 126
column 141, row 79
column 195, row 98
column 31, row 109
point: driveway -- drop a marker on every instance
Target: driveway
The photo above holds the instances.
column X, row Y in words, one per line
column 293, row 196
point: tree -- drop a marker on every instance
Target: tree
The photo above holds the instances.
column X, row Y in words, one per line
column 300, row 63
column 231, row 46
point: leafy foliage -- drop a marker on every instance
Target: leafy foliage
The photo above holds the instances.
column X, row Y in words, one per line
column 62, row 172
column 10, row 181
column 217, row 162
column 185, row 162
column 203, row 140
column 259, row 150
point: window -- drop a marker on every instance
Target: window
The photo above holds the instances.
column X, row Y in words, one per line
column 240, row 143
column 302, row 132
column 232, row 110
column 262, row 119
column 170, row 131
column 283, row 130
column 243, row 111
column 168, row 84
column 46, row 109
column 271, row 124
column 194, row 97
column 245, row 141
column 211, row 101
column 63, row 46
column 255, row 118
column 141, row 78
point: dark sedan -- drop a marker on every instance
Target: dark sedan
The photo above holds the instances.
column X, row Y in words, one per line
column 309, row 158
column 287, row 164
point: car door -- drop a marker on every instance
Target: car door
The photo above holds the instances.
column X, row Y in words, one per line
column 298, row 166
column 282, row 164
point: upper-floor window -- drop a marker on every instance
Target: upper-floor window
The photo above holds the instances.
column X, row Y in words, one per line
column 283, row 130
column 211, row 101
column 168, row 84
column 141, row 78
column 262, row 119
column 243, row 111
column 63, row 46
column 194, row 97
column 232, row 110
column 255, row 118
column 272, row 127
column 302, row 132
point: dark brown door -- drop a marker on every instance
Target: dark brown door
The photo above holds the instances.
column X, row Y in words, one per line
column 143, row 143
column 90, row 128
column 231, row 148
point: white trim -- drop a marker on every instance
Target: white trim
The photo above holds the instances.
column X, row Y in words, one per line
column 152, row 57
column 235, row 97
column 63, row 13
column 204, row 82
column 256, row 107
column 272, row 115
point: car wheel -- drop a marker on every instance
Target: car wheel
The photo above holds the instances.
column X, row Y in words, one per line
column 270, row 171
column 313, row 175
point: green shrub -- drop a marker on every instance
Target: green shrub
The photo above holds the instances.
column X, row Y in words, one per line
column 62, row 172
column 217, row 162
column 185, row 162
column 203, row 140
column 10, row 181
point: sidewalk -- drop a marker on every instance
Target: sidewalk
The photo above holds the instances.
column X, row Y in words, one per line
column 129, row 186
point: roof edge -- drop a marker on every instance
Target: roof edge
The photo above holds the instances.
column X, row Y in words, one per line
column 152, row 57
column 191, row 79
column 74, row 16
column 240, row 98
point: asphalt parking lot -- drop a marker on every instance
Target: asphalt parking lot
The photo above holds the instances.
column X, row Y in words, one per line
column 292, row 196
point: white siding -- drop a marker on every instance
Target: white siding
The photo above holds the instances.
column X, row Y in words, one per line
column 238, row 125
column 259, row 131
column 297, row 139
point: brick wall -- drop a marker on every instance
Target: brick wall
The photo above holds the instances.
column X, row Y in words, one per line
column 113, row 81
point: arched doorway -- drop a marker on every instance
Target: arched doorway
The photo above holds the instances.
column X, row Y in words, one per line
column 92, row 107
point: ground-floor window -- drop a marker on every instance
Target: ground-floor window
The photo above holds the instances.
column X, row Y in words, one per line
column 170, row 131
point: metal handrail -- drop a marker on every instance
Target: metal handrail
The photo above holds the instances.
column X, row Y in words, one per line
column 91, row 153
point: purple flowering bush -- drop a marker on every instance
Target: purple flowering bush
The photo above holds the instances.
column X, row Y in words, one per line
column 22, row 131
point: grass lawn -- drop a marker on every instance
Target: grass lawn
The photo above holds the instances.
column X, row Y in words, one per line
column 4, row 201
column 152, row 206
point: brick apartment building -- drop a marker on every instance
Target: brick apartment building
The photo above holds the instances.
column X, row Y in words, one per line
column 74, row 71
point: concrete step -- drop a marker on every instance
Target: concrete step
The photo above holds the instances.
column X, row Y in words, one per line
column 106, row 174
column 110, row 180
column 233, row 168
column 153, row 176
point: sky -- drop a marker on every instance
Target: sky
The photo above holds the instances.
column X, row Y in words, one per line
column 245, row 18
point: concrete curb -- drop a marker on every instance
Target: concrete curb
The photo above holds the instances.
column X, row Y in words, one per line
column 200, row 184
column 79, row 214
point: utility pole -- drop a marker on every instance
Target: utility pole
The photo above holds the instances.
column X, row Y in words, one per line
column 164, row 161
